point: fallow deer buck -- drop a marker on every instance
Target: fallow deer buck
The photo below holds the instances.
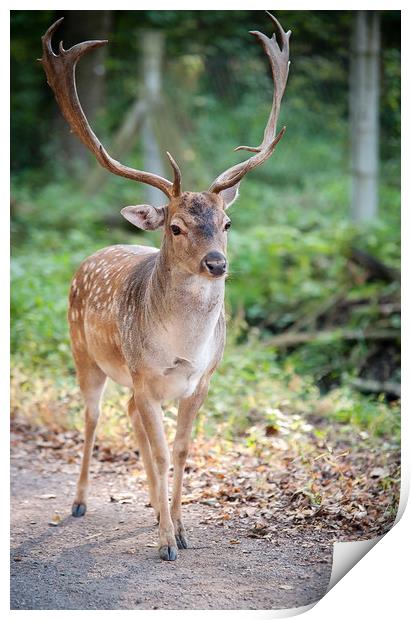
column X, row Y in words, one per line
column 153, row 319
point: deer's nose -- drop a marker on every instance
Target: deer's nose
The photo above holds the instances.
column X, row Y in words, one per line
column 215, row 263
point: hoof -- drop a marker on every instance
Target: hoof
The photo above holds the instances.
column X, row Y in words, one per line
column 168, row 553
column 181, row 541
column 78, row 510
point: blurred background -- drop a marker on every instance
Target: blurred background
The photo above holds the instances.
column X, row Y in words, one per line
column 313, row 295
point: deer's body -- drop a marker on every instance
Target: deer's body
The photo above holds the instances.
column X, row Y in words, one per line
column 136, row 319
column 153, row 320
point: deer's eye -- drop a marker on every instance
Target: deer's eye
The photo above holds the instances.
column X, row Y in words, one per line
column 176, row 230
column 227, row 226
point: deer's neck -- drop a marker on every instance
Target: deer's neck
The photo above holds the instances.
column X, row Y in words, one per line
column 170, row 314
column 176, row 296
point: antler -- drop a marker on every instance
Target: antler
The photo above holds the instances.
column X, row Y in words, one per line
column 60, row 70
column 278, row 57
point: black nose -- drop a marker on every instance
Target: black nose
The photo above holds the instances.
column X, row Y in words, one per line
column 215, row 263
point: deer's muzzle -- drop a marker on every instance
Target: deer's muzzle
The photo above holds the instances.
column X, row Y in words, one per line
column 215, row 264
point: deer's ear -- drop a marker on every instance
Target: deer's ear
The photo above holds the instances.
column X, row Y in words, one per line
column 230, row 195
column 144, row 216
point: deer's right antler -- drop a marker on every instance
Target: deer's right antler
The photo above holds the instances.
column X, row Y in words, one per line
column 60, row 70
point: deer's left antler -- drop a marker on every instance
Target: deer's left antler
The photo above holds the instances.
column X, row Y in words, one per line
column 278, row 56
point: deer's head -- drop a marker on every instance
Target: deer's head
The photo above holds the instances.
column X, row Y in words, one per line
column 195, row 224
column 195, row 229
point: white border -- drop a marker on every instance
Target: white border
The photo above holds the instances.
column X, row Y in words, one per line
column 378, row 585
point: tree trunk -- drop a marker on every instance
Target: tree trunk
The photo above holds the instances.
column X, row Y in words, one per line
column 364, row 113
column 119, row 146
column 143, row 116
column 152, row 49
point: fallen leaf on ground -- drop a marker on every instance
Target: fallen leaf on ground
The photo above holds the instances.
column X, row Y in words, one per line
column 122, row 498
column 331, row 484
column 55, row 520
column 379, row 472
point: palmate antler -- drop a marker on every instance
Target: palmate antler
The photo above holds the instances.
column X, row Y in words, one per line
column 60, row 70
column 278, row 57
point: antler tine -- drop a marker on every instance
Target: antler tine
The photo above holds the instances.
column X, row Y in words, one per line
column 278, row 58
column 46, row 38
column 177, row 175
column 60, row 71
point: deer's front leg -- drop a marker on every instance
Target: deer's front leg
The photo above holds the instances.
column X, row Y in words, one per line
column 152, row 418
column 145, row 450
column 187, row 411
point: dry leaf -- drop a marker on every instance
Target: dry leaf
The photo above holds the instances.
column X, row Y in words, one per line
column 360, row 514
column 379, row 472
column 55, row 520
column 122, row 498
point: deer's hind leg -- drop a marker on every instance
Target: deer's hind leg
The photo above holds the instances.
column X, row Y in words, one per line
column 92, row 381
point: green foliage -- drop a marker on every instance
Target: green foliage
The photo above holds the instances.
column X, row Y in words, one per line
column 298, row 271
column 254, row 387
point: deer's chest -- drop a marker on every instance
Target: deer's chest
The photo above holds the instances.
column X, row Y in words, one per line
column 177, row 375
column 175, row 352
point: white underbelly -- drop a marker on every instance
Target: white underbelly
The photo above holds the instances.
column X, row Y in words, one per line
column 119, row 374
column 178, row 386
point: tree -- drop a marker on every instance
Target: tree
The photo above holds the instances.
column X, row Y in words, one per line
column 364, row 115
column 152, row 48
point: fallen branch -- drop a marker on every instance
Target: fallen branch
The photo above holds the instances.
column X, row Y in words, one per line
column 379, row 387
column 374, row 266
column 290, row 339
column 308, row 320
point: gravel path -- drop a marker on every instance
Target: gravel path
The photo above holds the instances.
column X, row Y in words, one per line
column 109, row 560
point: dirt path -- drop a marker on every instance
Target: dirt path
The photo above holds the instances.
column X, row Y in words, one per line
column 109, row 560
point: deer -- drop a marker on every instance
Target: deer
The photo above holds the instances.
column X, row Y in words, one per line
column 152, row 319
